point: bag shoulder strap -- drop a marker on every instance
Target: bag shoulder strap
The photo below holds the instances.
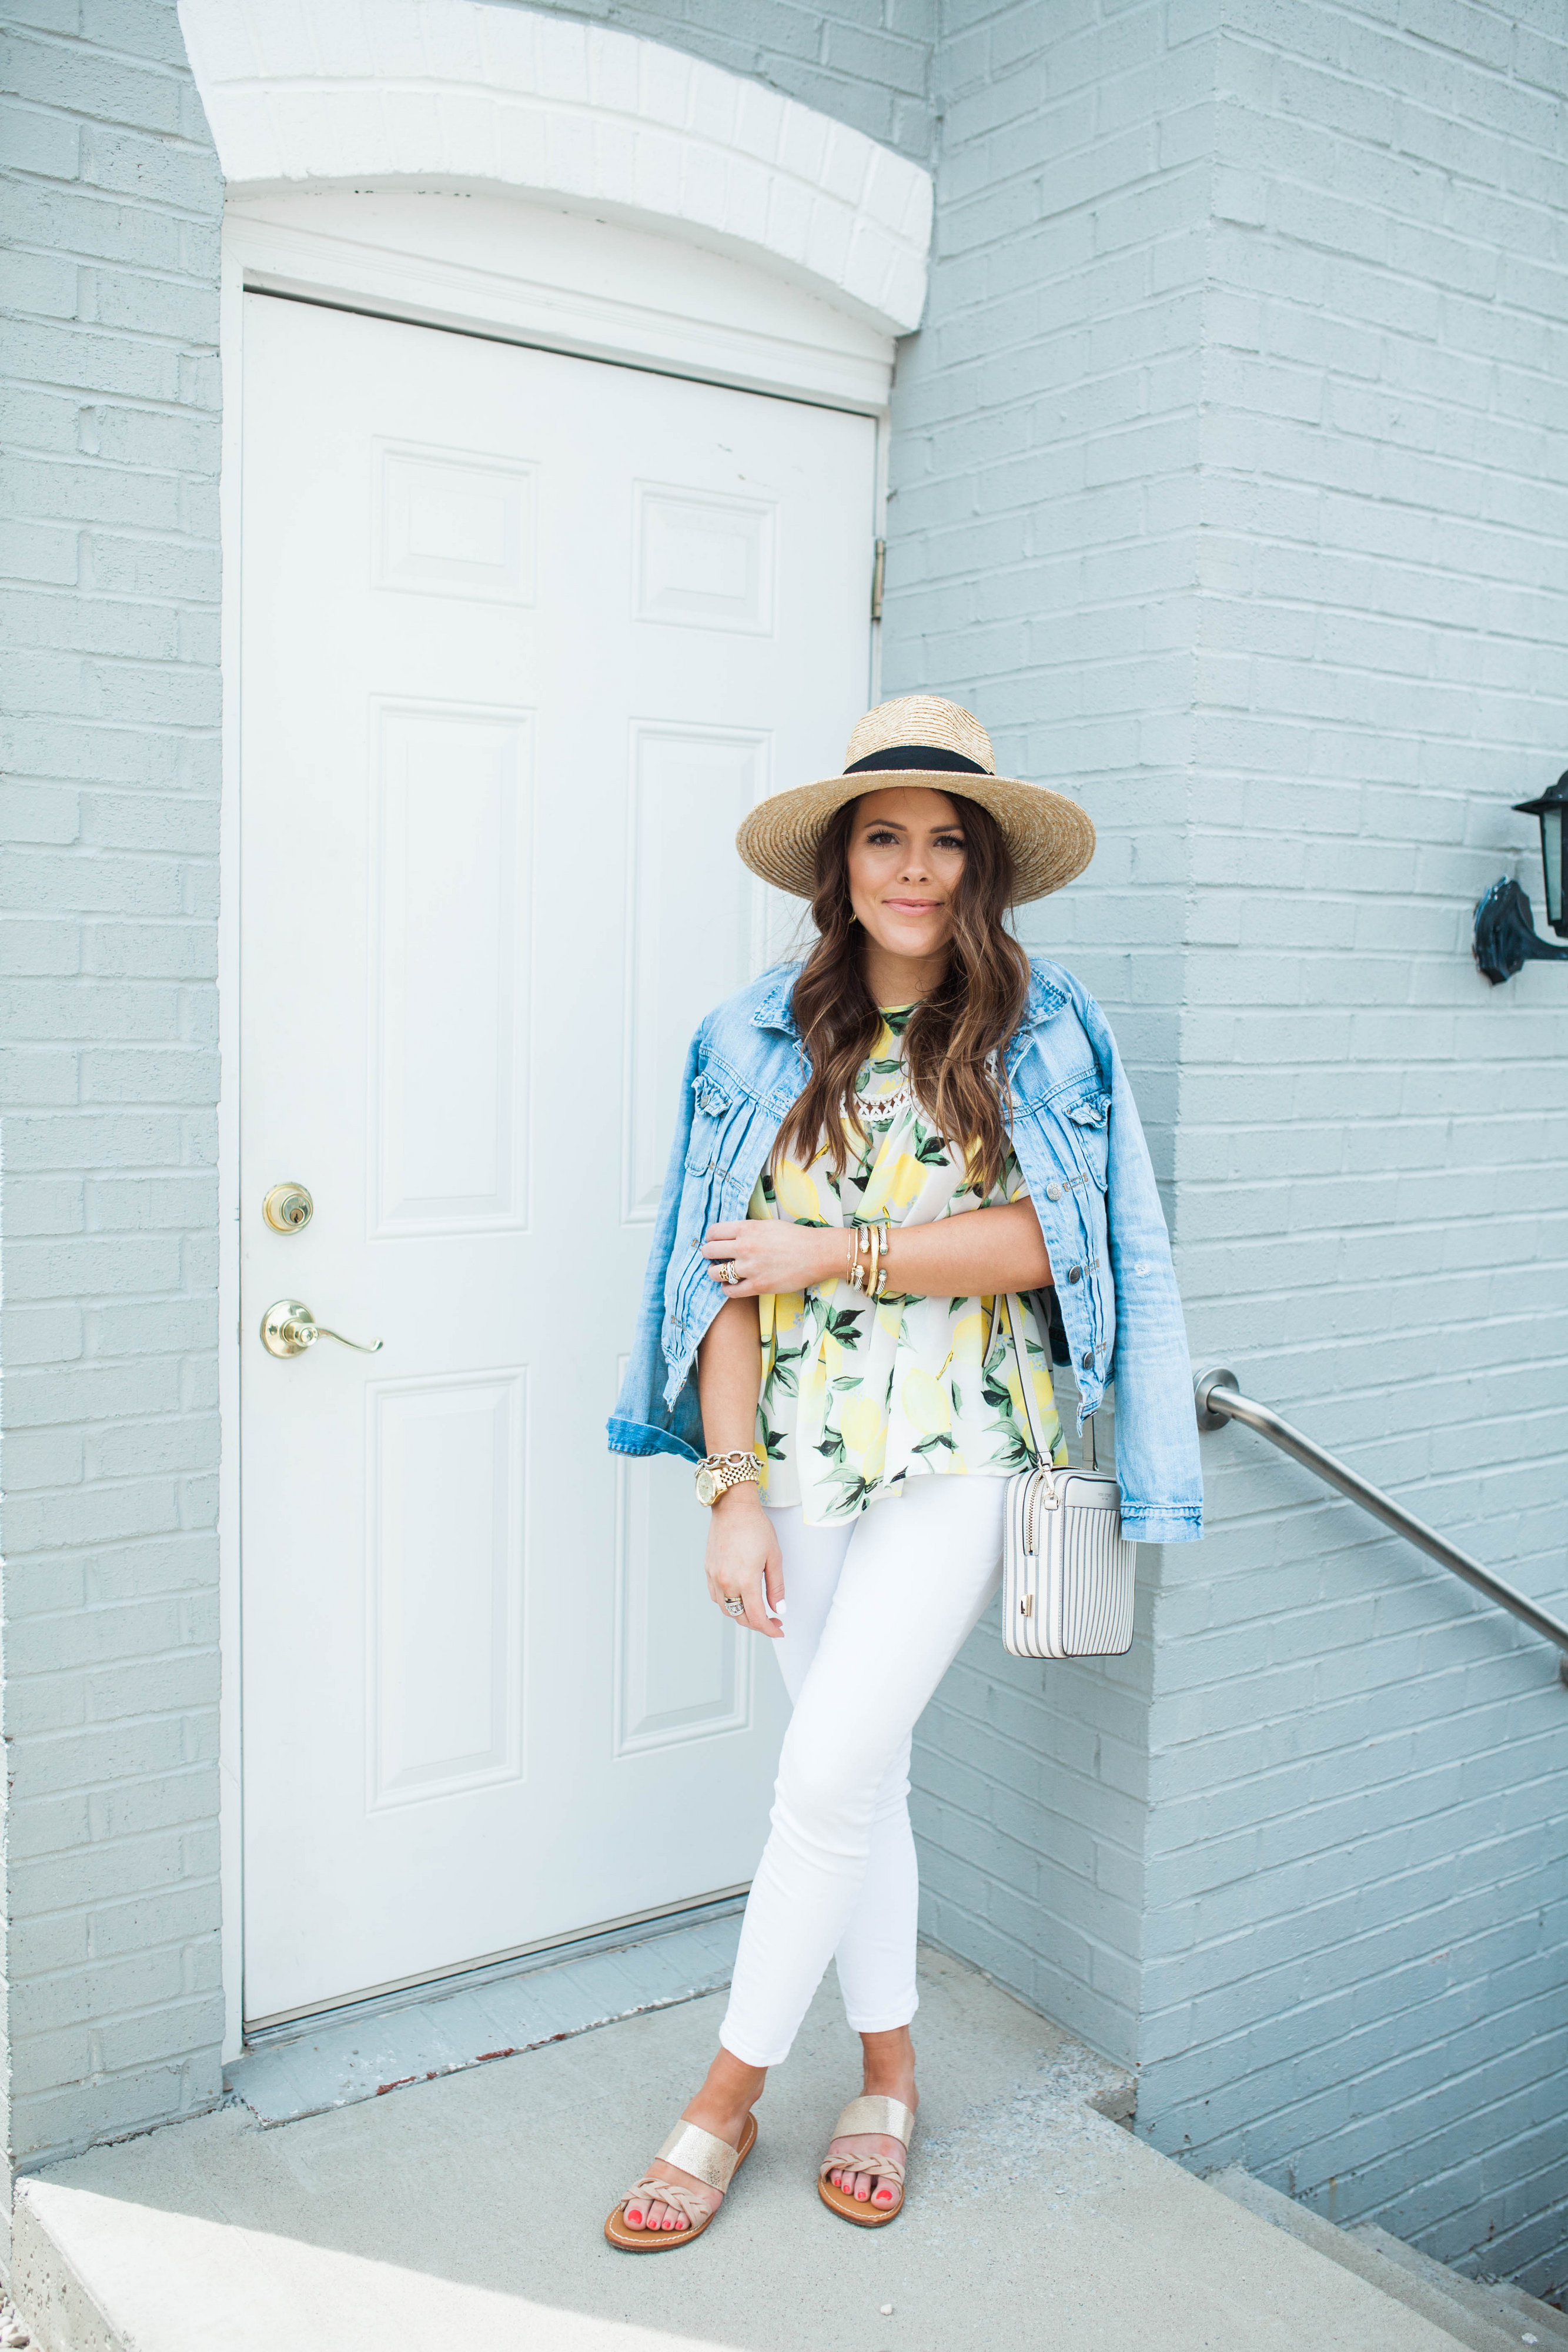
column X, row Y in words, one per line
column 1007, row 1309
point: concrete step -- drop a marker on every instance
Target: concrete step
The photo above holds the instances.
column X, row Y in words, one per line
column 1521, row 2315
column 1484, row 2317
column 464, row 2214
column 1537, row 2318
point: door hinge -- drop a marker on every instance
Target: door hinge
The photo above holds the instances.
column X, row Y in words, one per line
column 878, row 573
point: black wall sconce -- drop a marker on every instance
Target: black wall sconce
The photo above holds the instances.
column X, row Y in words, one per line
column 1506, row 937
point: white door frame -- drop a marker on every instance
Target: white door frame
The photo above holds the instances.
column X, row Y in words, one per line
column 647, row 290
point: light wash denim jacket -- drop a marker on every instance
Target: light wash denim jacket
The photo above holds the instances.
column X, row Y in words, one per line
column 1081, row 1147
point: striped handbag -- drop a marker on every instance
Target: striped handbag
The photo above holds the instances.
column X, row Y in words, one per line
column 1067, row 1568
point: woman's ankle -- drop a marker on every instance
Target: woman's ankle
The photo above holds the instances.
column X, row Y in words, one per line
column 728, row 2096
column 887, row 2065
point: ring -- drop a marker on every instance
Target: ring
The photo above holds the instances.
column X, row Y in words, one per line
column 728, row 1271
column 735, row 1608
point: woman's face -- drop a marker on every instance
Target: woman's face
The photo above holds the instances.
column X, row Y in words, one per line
column 905, row 860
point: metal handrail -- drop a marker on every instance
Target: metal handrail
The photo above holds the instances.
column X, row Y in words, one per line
column 1219, row 1399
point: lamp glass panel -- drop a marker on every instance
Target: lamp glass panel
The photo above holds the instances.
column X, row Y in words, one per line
column 1551, row 858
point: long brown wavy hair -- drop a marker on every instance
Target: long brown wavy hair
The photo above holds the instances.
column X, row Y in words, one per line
column 954, row 1039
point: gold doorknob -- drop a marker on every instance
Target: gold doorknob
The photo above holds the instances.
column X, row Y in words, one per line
column 288, row 1208
column 288, row 1327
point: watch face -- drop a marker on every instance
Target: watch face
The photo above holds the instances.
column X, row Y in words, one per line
column 707, row 1484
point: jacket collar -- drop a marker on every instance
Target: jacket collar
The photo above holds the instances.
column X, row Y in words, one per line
column 774, row 1009
column 1046, row 998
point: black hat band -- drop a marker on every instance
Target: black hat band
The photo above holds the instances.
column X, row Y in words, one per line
column 917, row 756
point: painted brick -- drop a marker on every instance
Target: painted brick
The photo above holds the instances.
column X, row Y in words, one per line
column 111, row 454
column 1349, row 276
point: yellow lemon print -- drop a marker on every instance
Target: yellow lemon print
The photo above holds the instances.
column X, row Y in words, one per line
column 874, row 1199
column 905, row 1183
column 860, row 1423
column 968, row 1336
column 814, row 1387
column 795, row 1195
column 925, row 1403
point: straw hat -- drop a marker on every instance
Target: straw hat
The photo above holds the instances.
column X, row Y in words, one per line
column 921, row 740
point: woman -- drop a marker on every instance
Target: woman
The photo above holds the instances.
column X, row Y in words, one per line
column 876, row 1146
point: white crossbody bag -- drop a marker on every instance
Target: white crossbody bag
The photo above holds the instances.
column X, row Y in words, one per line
column 1067, row 1568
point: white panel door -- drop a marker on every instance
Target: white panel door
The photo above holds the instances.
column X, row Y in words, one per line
column 523, row 637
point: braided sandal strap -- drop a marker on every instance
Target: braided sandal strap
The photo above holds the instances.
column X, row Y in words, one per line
column 885, row 2168
column 669, row 2192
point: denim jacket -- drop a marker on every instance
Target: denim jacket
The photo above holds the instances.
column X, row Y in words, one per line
column 1079, row 1145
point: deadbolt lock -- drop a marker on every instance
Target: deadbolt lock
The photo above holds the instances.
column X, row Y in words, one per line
column 287, row 1208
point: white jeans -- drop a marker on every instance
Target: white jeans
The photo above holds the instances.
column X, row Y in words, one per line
column 877, row 1611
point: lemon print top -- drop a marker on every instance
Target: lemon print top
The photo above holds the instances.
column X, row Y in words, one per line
column 858, row 1399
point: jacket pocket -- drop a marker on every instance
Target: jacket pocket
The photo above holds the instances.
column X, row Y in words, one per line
column 1086, row 1124
column 713, row 1102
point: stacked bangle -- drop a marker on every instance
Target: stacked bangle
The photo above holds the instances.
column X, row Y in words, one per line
column 868, row 1256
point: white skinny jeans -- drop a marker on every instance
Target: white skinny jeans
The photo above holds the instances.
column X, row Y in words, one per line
column 876, row 1609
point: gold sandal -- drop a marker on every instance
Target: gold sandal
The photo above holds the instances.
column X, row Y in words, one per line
column 867, row 2115
column 711, row 2160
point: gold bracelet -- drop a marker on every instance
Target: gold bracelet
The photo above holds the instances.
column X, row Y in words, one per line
column 854, row 1252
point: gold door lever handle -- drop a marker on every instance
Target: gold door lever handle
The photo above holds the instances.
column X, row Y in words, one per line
column 288, row 1327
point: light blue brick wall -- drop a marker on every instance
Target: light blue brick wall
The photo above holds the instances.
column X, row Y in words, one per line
column 1356, row 1903
column 1299, row 657
column 109, row 203
column 1043, row 569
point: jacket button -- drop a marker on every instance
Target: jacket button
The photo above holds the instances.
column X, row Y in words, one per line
column 1053, row 1191
column 1075, row 1274
column 1086, row 1361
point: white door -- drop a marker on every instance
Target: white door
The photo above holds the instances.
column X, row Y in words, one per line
column 524, row 635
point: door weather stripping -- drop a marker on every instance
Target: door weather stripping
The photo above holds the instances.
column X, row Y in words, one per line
column 1219, row 1400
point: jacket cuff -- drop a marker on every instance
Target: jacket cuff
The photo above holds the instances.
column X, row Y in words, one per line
column 1149, row 1523
column 641, row 1438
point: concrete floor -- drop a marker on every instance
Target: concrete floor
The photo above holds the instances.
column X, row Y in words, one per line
column 464, row 2215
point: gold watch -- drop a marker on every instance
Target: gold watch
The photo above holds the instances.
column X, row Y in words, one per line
column 720, row 1472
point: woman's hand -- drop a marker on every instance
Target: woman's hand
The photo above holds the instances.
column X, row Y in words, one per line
column 772, row 1255
column 744, row 1561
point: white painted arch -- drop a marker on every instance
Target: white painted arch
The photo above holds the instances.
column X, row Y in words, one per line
column 458, row 95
